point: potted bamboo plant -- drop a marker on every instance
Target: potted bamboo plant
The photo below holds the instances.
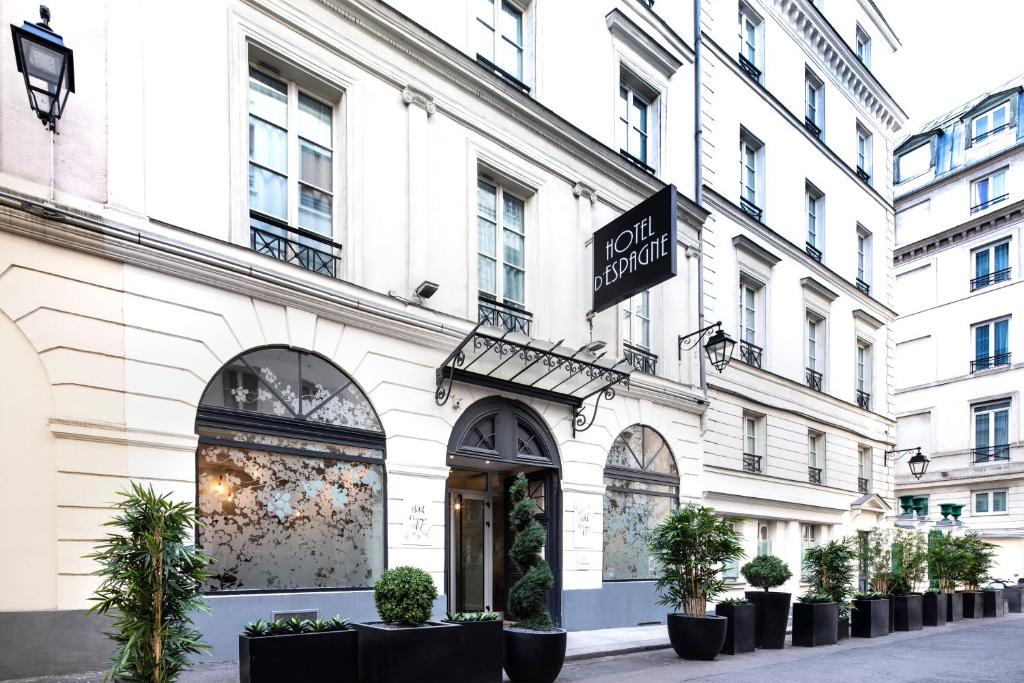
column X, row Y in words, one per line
column 534, row 646
column 876, row 554
column 771, row 609
column 976, row 557
column 910, row 558
column 937, row 607
column 691, row 548
column 829, row 570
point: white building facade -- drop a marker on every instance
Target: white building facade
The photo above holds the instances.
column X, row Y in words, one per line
column 797, row 128
column 958, row 376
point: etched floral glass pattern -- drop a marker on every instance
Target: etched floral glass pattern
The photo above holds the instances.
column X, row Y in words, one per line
column 276, row 522
column 641, row 488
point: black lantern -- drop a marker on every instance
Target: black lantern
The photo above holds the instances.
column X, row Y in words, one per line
column 719, row 349
column 918, row 465
column 47, row 66
column 918, row 462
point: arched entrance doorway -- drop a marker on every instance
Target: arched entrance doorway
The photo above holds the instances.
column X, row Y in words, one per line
column 493, row 441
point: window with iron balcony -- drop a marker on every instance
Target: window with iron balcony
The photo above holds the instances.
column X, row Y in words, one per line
column 991, row 345
column 751, row 165
column 499, row 38
column 991, row 265
column 291, row 174
column 991, row 432
column 636, row 333
column 501, row 272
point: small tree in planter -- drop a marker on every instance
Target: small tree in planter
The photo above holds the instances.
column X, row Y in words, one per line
column 406, row 645
column 976, row 557
column 829, row 568
column 771, row 608
column 876, row 554
column 910, row 557
column 946, row 559
column 691, row 548
column 151, row 575
column 534, row 647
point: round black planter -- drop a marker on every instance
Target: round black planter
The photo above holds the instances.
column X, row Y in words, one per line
column 696, row 637
column 772, row 617
column 534, row 656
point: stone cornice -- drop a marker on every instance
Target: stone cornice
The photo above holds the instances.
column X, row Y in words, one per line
column 957, row 235
column 744, row 243
column 868, row 319
column 876, row 15
column 654, row 53
column 815, row 287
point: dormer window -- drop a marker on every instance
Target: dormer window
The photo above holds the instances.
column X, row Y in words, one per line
column 914, row 162
column 990, row 122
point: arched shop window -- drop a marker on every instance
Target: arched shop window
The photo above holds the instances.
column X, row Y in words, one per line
column 641, row 488
column 290, row 476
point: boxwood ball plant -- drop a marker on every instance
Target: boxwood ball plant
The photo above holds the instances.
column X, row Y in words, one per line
column 766, row 571
column 526, row 597
column 405, row 595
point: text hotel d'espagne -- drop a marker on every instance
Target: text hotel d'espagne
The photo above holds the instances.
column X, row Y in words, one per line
column 649, row 251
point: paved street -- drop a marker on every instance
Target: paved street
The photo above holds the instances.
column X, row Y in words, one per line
column 984, row 650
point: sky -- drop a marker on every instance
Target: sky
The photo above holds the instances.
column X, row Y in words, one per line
column 953, row 50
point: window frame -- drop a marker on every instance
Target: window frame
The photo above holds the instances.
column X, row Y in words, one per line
column 498, row 35
column 991, row 409
column 990, row 499
column 864, row 254
column 862, row 366
column 814, row 207
column 816, row 114
column 991, row 178
column 865, row 464
column 975, row 137
column 750, row 146
column 748, row 15
column 764, row 538
column 499, row 295
column 865, row 150
column 631, row 316
column 898, row 161
column 862, row 46
column 817, row 342
column 813, row 531
column 816, row 448
column 990, row 325
column 639, row 89
column 990, row 256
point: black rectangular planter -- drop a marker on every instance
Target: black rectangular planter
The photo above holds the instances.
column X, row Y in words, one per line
column 843, row 630
column 483, row 650
column 1012, row 594
column 954, row 607
column 992, row 603
column 815, row 623
column 739, row 634
column 771, row 618
column 409, row 654
column 934, row 609
column 907, row 615
column 299, row 657
column 973, row 607
column 870, row 618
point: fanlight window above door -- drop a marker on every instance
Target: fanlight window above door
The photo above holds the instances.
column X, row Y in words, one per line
column 285, row 383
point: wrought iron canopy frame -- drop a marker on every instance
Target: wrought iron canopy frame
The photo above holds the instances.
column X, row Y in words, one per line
column 559, row 375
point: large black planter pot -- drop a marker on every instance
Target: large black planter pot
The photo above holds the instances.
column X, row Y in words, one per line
column 954, row 607
column 870, row 618
column 697, row 637
column 992, row 603
column 400, row 654
column 892, row 613
column 534, row 656
column 907, row 615
column 1012, row 595
column 973, row 607
column 739, row 633
column 843, row 632
column 771, row 616
column 815, row 623
column 933, row 611
column 299, row 657
column 482, row 647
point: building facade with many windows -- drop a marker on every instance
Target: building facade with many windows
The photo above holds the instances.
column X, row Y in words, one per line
column 797, row 128
column 958, row 371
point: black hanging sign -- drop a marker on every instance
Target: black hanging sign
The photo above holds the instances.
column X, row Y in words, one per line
column 635, row 251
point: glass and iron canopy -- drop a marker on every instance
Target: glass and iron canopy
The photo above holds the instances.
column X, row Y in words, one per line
column 47, row 66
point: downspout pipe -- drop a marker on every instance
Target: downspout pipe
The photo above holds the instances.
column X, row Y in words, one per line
column 698, row 181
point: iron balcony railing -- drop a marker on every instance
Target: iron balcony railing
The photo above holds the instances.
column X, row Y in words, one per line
column 990, row 453
column 863, row 286
column 304, row 248
column 990, row 278
column 637, row 161
column 813, row 127
column 863, row 175
column 998, row 360
column 862, row 484
column 750, row 68
column 863, row 400
column 641, row 359
column 750, row 353
column 505, row 315
column 813, row 379
column 813, row 251
column 502, row 74
column 814, row 475
column 751, row 209
column 990, row 133
column 751, row 463
column 984, row 205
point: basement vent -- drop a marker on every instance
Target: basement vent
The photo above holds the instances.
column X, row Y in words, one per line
column 304, row 614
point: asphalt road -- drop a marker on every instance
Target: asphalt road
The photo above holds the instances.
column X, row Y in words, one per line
column 970, row 650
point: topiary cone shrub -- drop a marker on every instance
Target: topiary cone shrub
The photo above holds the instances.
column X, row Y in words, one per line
column 526, row 598
column 405, row 595
column 766, row 572
column 151, row 576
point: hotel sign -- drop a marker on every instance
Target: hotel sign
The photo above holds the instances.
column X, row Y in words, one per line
column 635, row 251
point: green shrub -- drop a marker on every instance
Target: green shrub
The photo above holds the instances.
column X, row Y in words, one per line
column 944, row 561
column 910, row 559
column 526, row 596
column 151, row 574
column 405, row 595
column 691, row 547
column 766, row 571
column 258, row 628
column 473, row 616
column 813, row 596
column 830, row 571
column 734, row 601
column 977, row 557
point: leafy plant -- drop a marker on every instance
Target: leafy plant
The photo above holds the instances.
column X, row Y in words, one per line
column 734, row 601
column 405, row 595
column 977, row 558
column 256, row 629
column 910, row 556
column 279, row 627
column 870, row 595
column 339, row 624
column 766, row 571
column 875, row 552
column 691, row 547
column 473, row 616
column 526, row 596
column 944, row 559
column 830, row 571
column 814, row 596
column 297, row 625
column 151, row 573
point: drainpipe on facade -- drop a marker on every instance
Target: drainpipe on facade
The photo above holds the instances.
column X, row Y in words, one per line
column 698, row 194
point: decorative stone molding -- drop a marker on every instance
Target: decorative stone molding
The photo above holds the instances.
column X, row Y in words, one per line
column 871, row 321
column 585, row 191
column 645, row 45
column 755, row 250
column 812, row 285
column 122, row 435
column 410, row 96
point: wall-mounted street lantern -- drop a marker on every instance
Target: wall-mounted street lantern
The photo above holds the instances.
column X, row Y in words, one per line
column 47, row 65
column 718, row 347
column 918, row 463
